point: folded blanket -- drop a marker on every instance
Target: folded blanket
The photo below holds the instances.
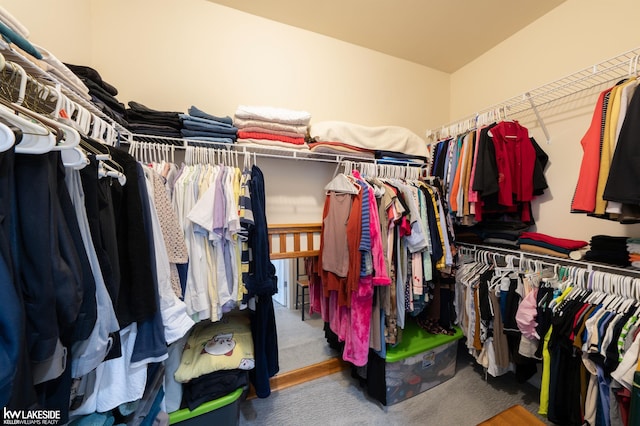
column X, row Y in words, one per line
column 339, row 145
column 560, row 242
column 383, row 138
column 270, row 143
column 267, row 113
column 341, row 150
column 269, row 136
column 201, row 134
column 542, row 250
column 256, row 129
column 271, row 125
column 544, row 244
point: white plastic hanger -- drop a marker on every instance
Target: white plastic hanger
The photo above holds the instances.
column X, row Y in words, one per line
column 7, row 138
column 105, row 170
column 74, row 158
column 36, row 138
column 341, row 183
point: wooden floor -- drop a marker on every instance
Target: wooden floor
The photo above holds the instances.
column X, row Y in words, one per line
column 304, row 374
column 516, row 415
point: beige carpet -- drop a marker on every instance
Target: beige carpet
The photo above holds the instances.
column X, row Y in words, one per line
column 466, row 399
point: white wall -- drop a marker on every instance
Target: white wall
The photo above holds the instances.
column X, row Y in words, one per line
column 572, row 37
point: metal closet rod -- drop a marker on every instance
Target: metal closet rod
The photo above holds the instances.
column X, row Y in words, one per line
column 619, row 66
column 590, row 266
column 278, row 153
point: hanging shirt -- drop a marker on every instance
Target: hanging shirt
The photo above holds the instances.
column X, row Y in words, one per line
column 515, row 158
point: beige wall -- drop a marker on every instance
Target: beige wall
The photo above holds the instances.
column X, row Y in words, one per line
column 170, row 54
column 63, row 27
column 572, row 37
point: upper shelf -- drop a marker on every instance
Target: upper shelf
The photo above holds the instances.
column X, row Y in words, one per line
column 564, row 91
column 266, row 151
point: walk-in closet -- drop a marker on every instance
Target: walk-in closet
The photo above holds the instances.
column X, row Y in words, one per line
column 286, row 213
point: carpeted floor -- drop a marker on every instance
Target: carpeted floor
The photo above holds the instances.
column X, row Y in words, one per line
column 465, row 399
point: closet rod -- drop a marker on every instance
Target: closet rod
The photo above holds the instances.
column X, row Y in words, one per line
column 266, row 151
column 605, row 72
column 559, row 260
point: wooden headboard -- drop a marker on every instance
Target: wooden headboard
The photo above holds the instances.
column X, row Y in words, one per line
column 294, row 240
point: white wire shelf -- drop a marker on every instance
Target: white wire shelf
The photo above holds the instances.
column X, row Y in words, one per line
column 265, row 151
column 47, row 78
column 567, row 91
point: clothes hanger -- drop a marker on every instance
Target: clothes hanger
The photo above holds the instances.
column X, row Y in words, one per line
column 66, row 136
column 7, row 137
column 36, row 138
column 342, row 184
column 106, row 170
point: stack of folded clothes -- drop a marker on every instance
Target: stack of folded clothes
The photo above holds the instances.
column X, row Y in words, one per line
column 339, row 148
column 103, row 94
column 633, row 247
column 545, row 244
column 503, row 238
column 146, row 121
column 608, row 249
column 198, row 125
column 264, row 125
column 391, row 143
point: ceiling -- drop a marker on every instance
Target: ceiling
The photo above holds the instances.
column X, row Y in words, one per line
column 441, row 34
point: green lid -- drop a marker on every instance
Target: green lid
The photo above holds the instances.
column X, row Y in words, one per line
column 416, row 340
column 186, row 414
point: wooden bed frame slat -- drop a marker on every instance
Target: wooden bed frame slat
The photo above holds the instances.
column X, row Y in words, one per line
column 297, row 232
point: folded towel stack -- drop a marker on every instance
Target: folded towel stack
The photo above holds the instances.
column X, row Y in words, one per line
column 271, row 126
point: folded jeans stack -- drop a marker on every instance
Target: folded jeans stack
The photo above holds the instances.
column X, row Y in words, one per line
column 200, row 126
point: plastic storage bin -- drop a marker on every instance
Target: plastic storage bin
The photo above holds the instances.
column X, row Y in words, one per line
column 420, row 362
column 221, row 411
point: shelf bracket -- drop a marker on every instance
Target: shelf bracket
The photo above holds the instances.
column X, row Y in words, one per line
column 539, row 118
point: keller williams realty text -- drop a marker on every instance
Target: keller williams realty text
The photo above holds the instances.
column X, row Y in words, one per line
column 30, row 417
